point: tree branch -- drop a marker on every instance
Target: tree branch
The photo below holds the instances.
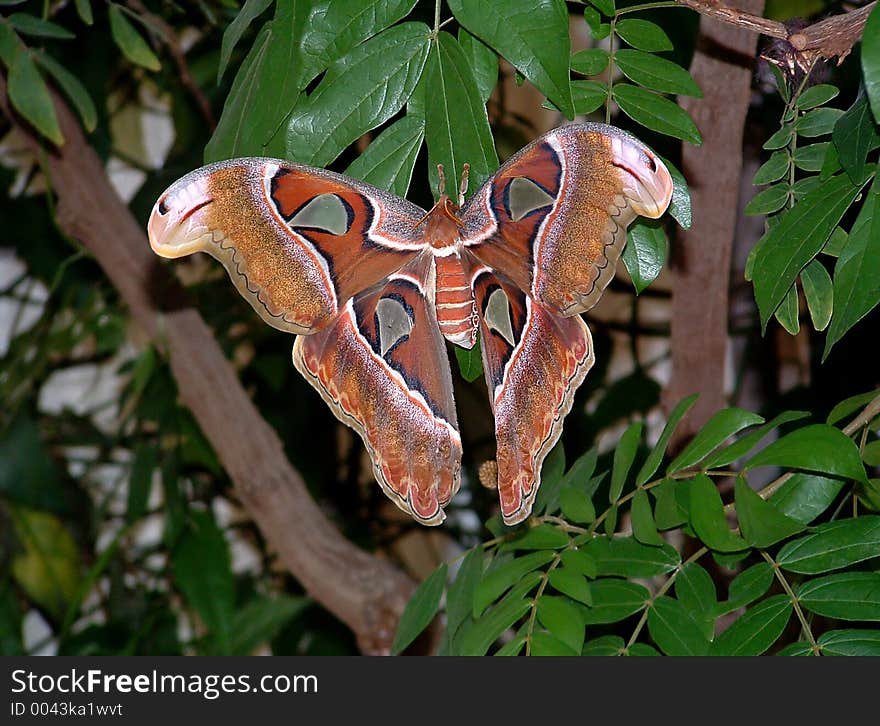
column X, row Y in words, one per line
column 829, row 38
column 365, row 592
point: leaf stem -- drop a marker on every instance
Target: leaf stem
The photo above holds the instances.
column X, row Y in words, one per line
column 664, row 588
column 610, row 69
column 648, row 6
column 805, row 626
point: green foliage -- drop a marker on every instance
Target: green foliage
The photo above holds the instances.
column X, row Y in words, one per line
column 558, row 584
column 814, row 187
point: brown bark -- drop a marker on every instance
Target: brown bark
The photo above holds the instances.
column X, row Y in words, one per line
column 365, row 592
column 831, row 37
column 701, row 264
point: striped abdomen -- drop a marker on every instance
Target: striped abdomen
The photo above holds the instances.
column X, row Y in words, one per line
column 456, row 309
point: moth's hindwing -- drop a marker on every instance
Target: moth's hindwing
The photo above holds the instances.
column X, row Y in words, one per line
column 534, row 361
column 383, row 369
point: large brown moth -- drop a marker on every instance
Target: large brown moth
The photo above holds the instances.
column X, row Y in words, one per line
column 371, row 284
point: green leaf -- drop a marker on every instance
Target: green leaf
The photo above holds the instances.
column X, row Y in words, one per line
column 796, row 239
column 871, row 61
column 845, row 596
column 513, row 646
column 202, row 572
column 695, row 590
column 598, row 29
column 656, row 112
column 614, row 600
column 672, row 496
column 854, row 135
column 532, row 36
column 857, row 273
column 850, row 642
column 780, row 138
column 673, row 629
column 573, row 584
column 27, row 24
column 140, row 481
column 344, row 24
column 643, row 34
column 9, row 43
column 624, row 454
column 849, row 406
column 787, row 312
column 245, row 125
column 625, row 557
column 805, row 496
column 576, row 506
column 460, row 594
column 680, row 204
column 832, row 546
column 548, row 496
column 812, row 156
column 420, row 609
column 84, row 10
column 130, row 41
column 816, row 96
column 652, row 463
column 249, row 12
column 29, row 474
column 579, row 561
column 755, row 631
column 819, row 293
column 470, row 362
column 642, row 649
column 761, row 523
column 605, row 645
column 72, row 88
column 773, row 169
column 836, row 242
column 10, row 620
column 46, row 563
column 499, row 579
column 606, row 7
column 871, row 453
column 818, row 122
column 830, row 164
column 359, row 92
column 800, row 648
column 30, row 96
column 547, row 645
column 482, row 60
column 645, row 252
column 644, row 528
column 479, row 635
column 718, row 429
column 656, row 73
column 543, row 537
column 707, row 517
column 389, row 159
column 745, row 444
column 587, row 96
column 261, row 620
column 590, row 62
column 819, row 447
column 768, row 201
column 747, row 587
column 456, row 125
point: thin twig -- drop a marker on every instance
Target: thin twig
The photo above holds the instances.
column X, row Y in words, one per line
column 829, row 38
